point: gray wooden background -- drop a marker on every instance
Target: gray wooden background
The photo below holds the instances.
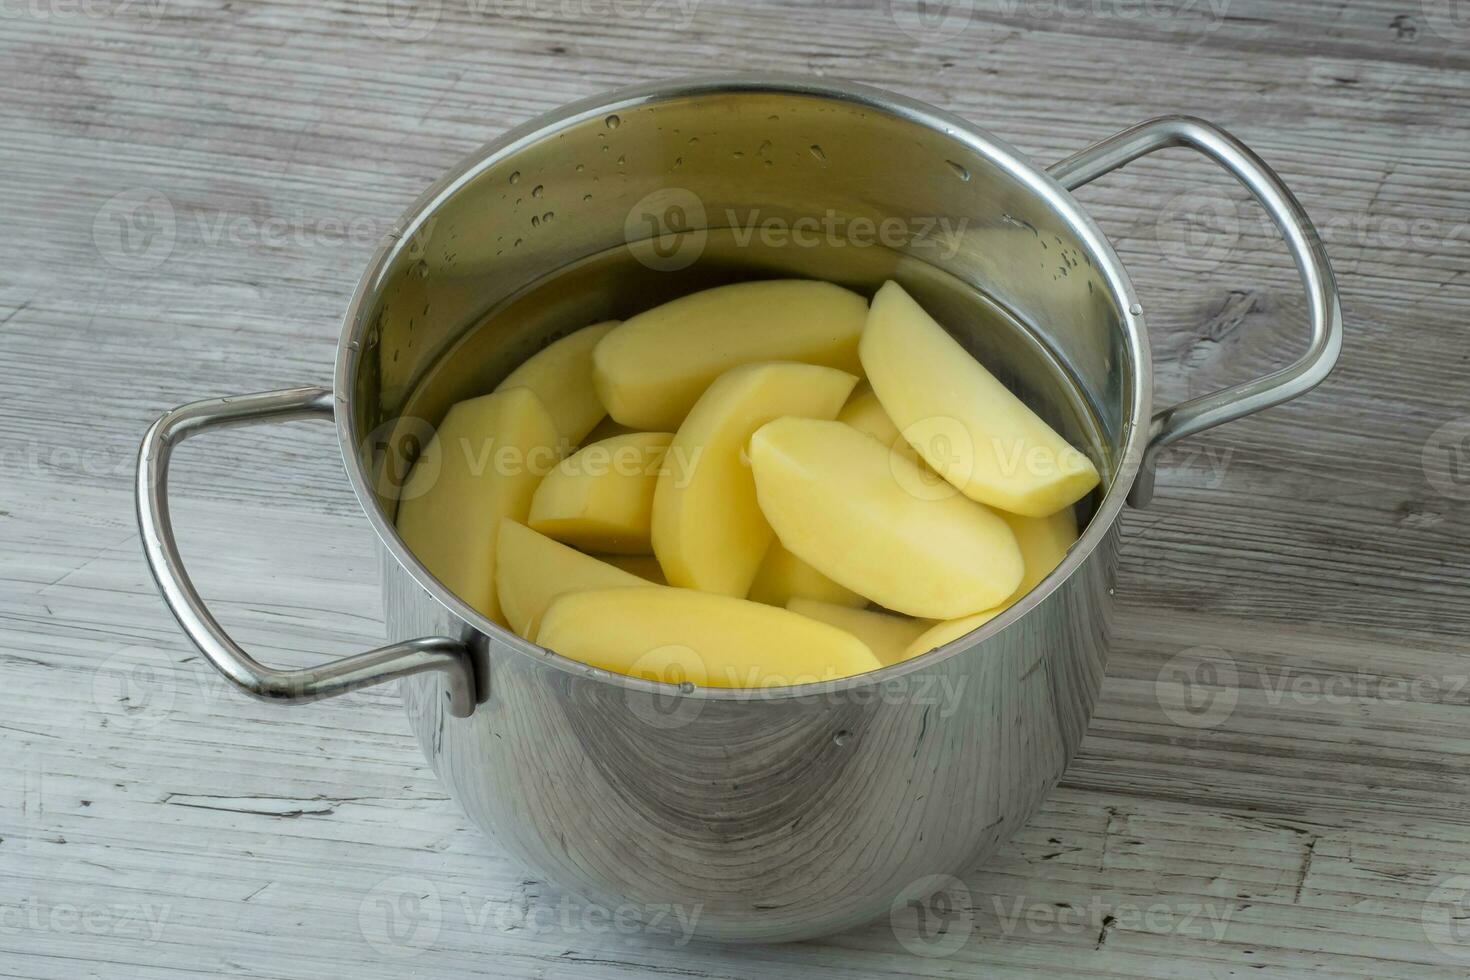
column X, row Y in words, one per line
column 1275, row 783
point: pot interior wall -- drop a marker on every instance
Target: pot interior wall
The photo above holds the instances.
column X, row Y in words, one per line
column 615, row 212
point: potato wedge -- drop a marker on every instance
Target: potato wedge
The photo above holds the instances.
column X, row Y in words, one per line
column 561, row 376
column 600, row 498
column 837, row 498
column 678, row 635
column 482, row 465
column 644, row 566
column 533, row 570
column 887, row 635
column 782, row 576
column 1044, row 542
column 963, row 422
column 864, row 413
column 938, row 636
column 651, row 370
column 708, row 532
column 606, row 429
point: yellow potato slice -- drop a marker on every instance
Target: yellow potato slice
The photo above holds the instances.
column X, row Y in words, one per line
column 888, row 636
column 651, row 370
column 1044, row 542
column 963, row 422
column 842, row 502
column 482, row 465
column 677, row 635
column 600, row 498
column 864, row 413
column 533, row 570
column 561, row 376
column 644, row 566
column 938, row 636
column 708, row 532
column 782, row 576
column 606, row 429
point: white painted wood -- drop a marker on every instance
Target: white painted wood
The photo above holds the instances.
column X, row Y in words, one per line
column 154, row 824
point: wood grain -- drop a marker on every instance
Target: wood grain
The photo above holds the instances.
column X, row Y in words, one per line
column 1303, row 813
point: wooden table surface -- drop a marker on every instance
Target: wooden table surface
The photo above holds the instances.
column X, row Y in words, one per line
column 1275, row 781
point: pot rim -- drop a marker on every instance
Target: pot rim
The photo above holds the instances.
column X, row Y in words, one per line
column 997, row 151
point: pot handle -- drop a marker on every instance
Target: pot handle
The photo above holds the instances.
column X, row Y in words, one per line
column 435, row 653
column 1249, row 397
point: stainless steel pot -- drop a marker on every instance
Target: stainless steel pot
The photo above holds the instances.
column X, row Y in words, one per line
column 777, row 814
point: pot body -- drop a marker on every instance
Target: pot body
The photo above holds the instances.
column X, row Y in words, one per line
column 783, row 813
column 766, row 817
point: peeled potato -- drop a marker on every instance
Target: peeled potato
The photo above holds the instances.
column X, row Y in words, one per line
column 888, row 636
column 606, row 429
column 961, row 420
column 644, row 566
column 600, row 498
column 844, row 503
column 678, row 635
column 708, row 531
column 561, row 376
column 938, row 636
column 782, row 576
column 1044, row 542
column 864, row 413
column 651, row 370
column 482, row 465
column 533, row 570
